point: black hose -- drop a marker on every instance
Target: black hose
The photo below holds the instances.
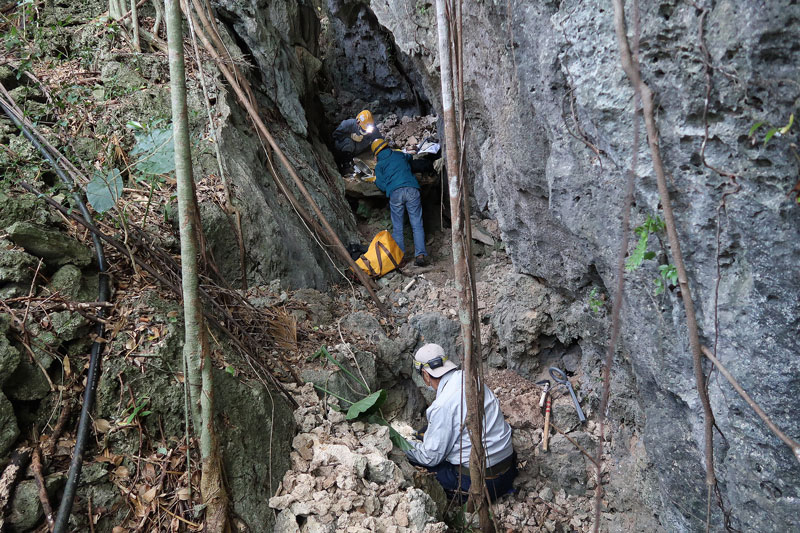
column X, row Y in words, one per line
column 76, row 464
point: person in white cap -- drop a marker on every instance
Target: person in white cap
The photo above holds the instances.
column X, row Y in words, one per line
column 446, row 446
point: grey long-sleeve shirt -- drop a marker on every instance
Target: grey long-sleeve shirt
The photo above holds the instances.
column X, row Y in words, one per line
column 447, row 439
column 346, row 145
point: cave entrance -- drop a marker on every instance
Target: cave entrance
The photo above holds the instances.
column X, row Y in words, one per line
column 415, row 135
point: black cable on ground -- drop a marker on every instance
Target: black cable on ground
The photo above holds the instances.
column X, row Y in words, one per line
column 76, row 464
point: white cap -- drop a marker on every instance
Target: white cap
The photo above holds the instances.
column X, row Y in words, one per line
column 430, row 353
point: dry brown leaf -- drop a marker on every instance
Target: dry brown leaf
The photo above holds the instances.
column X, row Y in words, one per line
column 149, row 495
column 118, row 529
column 183, row 493
column 67, row 366
column 122, row 472
column 101, row 425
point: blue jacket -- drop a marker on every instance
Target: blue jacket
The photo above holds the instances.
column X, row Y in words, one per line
column 393, row 171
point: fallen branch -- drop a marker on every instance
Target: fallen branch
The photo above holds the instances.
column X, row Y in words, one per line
column 791, row 443
column 36, row 466
column 8, row 481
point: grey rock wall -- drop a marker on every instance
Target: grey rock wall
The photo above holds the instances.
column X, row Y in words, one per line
column 361, row 65
column 279, row 38
column 550, row 117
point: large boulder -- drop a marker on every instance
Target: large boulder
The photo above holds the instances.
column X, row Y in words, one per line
column 255, row 445
column 53, row 246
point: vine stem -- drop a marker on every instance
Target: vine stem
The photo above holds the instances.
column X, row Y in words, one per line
column 631, row 68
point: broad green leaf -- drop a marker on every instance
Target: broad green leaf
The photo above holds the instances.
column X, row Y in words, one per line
column 649, row 255
column 659, row 286
column 753, row 128
column 104, row 190
column 367, row 405
column 155, row 151
column 230, row 370
column 770, row 133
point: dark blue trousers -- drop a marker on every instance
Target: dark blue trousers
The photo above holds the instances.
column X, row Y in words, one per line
column 447, row 475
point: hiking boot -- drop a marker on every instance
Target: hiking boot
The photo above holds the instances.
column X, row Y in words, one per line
column 420, row 261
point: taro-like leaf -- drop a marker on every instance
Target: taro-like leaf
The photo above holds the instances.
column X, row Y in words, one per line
column 104, row 190
column 366, row 406
column 155, row 151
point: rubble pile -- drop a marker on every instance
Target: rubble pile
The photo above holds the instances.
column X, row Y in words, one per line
column 405, row 133
column 342, row 478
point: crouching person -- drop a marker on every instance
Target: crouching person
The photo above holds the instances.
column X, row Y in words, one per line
column 446, row 446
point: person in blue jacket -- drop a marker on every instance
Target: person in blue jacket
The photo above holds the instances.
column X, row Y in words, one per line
column 393, row 176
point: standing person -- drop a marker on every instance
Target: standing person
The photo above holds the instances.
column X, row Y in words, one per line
column 393, row 176
column 354, row 136
column 446, row 446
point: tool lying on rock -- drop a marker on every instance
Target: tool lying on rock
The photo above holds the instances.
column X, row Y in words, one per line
column 545, row 396
column 559, row 376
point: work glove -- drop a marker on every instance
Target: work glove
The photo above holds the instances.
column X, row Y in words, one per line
column 437, row 165
column 419, row 435
column 356, row 137
column 370, row 179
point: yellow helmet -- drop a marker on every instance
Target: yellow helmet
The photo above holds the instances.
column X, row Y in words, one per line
column 365, row 121
column 378, row 145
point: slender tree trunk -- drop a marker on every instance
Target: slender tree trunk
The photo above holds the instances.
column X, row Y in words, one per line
column 195, row 349
column 463, row 277
column 135, row 27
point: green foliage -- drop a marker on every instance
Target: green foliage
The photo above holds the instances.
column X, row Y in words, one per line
column 667, row 273
column 104, row 190
column 137, row 410
column 595, row 300
column 367, row 406
column 323, row 352
column 154, row 149
column 771, row 130
column 640, row 253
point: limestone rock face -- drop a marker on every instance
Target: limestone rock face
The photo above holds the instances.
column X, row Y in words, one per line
column 550, row 140
column 280, row 38
column 361, row 63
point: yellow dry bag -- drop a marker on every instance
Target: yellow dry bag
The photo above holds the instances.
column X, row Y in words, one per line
column 383, row 255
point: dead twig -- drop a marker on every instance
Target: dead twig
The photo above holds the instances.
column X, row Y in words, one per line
column 61, row 423
column 580, row 448
column 36, row 466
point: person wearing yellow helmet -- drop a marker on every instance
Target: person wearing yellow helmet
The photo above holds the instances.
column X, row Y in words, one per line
column 354, row 136
column 394, row 177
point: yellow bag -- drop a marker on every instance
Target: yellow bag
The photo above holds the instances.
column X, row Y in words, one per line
column 383, row 255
